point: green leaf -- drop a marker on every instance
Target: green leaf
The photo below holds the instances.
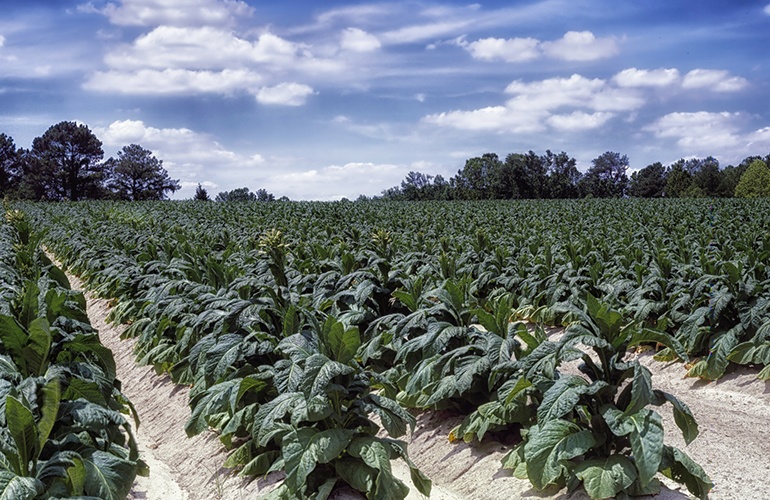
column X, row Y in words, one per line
column 49, row 409
column 21, row 425
column 641, row 389
column 304, row 448
column 393, row 417
column 647, row 336
column 514, row 460
column 372, row 452
column 646, row 443
column 520, row 385
column 713, row 367
column 419, row 479
column 319, row 371
column 13, row 487
column 29, row 304
column 90, row 391
column 343, row 342
column 107, row 476
column 38, row 346
column 358, row 475
column 750, row 352
column 682, row 415
column 550, row 446
column 13, row 338
column 561, row 398
column 678, row 466
column 261, row 464
column 606, row 477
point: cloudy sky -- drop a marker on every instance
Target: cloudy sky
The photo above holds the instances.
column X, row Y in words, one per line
column 320, row 100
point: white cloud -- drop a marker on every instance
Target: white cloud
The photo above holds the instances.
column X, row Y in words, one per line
column 201, row 48
column 767, row 9
column 579, row 120
column 633, row 77
column 2, row 40
column 534, row 105
column 286, row 94
column 492, row 118
column 573, row 46
column 172, row 12
column 508, row 50
column 575, row 91
column 712, row 79
column 173, row 81
column 188, row 156
column 580, row 46
column 337, row 181
column 190, row 60
column 358, row 40
column 704, row 133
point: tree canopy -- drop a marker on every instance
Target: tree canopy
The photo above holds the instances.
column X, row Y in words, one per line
column 201, row 194
column 137, row 175
column 551, row 175
column 755, row 182
column 9, row 165
column 65, row 163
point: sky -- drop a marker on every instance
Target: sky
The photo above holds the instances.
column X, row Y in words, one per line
column 324, row 100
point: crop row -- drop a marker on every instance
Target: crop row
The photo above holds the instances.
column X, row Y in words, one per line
column 295, row 323
column 63, row 430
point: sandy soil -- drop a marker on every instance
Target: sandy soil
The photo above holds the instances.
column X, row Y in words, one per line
column 733, row 447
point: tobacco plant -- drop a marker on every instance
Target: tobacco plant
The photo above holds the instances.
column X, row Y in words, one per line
column 597, row 428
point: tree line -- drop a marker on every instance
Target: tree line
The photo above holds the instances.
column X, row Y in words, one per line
column 66, row 163
column 552, row 176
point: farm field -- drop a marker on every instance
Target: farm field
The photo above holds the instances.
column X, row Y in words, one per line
column 302, row 329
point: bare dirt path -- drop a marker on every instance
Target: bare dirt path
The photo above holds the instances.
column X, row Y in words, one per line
column 733, row 447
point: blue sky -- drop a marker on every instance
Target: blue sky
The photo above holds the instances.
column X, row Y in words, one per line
column 320, row 100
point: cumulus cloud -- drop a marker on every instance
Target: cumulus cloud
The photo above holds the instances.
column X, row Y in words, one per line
column 337, row 181
column 286, row 94
column 190, row 60
column 633, row 77
column 358, row 40
column 580, row 46
column 711, row 79
column 171, row 12
column 573, row 46
column 201, row 48
column 536, row 105
column 501, row 49
column 701, row 133
column 575, row 91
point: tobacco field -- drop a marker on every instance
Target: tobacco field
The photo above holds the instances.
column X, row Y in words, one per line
column 304, row 328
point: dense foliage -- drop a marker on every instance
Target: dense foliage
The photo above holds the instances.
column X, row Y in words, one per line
column 555, row 176
column 65, row 163
column 298, row 323
column 63, row 426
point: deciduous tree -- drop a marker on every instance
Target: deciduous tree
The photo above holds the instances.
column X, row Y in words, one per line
column 240, row 194
column 607, row 176
column 649, row 182
column 755, row 182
